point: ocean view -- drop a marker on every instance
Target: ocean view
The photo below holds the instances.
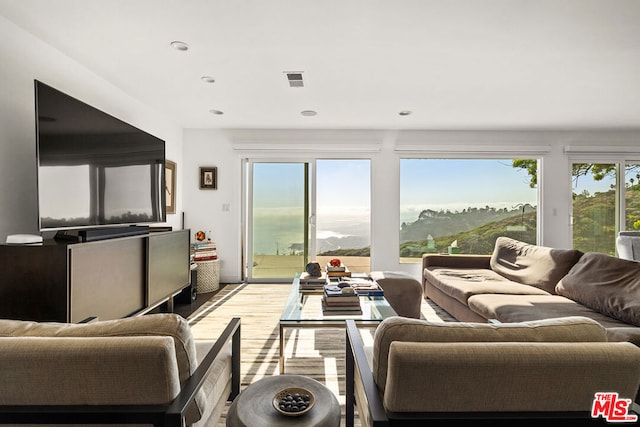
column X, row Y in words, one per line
column 339, row 192
column 284, row 234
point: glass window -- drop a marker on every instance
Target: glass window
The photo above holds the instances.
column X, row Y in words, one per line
column 463, row 205
column 298, row 216
column 604, row 203
column 594, row 207
column 278, row 220
column 632, row 197
column 343, row 224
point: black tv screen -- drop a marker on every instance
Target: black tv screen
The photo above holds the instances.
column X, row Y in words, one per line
column 94, row 169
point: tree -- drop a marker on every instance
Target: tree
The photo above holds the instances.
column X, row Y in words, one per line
column 598, row 170
column 531, row 166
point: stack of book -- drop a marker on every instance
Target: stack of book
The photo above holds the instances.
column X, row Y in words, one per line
column 204, row 251
column 365, row 287
column 339, row 301
column 337, row 271
column 312, row 283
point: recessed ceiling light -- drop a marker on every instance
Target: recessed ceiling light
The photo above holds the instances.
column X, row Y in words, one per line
column 216, row 112
column 405, row 113
column 208, row 79
column 308, row 113
column 178, row 45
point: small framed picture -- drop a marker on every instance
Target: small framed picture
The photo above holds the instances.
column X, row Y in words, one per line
column 208, row 178
column 170, row 186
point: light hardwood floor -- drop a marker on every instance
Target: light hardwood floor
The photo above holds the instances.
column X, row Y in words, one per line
column 316, row 353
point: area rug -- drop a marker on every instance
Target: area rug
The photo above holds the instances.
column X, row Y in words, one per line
column 316, row 353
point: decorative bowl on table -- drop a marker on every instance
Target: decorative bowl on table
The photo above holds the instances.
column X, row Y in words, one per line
column 293, row 401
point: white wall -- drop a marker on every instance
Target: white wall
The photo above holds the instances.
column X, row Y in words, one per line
column 204, row 208
column 216, row 148
column 25, row 58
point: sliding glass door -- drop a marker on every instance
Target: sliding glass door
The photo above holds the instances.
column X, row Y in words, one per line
column 298, row 212
column 606, row 200
column 278, row 219
column 343, row 213
column 595, row 206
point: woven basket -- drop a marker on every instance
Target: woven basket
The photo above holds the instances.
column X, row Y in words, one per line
column 208, row 275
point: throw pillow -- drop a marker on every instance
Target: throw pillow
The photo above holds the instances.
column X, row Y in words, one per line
column 532, row 265
column 607, row 284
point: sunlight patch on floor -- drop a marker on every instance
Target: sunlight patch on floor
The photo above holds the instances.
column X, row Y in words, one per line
column 332, row 378
column 304, row 343
column 263, row 369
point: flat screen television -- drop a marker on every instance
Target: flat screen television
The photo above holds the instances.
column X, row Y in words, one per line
column 94, row 169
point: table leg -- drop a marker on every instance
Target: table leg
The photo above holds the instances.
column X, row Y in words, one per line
column 281, row 349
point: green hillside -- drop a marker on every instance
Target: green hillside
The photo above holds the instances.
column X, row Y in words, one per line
column 476, row 230
column 480, row 240
column 444, row 223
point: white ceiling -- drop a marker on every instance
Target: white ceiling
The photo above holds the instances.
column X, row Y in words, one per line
column 456, row 64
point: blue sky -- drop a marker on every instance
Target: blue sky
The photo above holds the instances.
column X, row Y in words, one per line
column 343, row 202
column 344, row 192
column 343, row 183
column 460, row 183
column 425, row 184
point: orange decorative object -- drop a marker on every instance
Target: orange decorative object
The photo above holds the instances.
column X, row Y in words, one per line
column 335, row 262
column 200, row 236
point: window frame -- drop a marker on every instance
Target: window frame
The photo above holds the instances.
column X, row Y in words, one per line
column 620, row 160
column 468, row 153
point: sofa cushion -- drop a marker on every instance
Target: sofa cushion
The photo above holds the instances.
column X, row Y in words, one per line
column 571, row 329
column 606, row 284
column 533, row 265
column 88, row 371
column 522, row 308
column 461, row 283
column 165, row 324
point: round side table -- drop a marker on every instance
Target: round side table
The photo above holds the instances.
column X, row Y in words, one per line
column 253, row 407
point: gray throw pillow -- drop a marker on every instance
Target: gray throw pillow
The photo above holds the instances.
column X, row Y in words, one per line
column 606, row 284
column 532, row 265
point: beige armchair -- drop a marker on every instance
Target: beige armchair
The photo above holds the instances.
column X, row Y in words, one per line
column 628, row 245
column 548, row 369
column 144, row 370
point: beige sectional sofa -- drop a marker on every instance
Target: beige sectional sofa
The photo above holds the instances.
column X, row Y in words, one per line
column 523, row 282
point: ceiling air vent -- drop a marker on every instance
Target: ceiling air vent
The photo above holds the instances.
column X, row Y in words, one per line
column 295, row 78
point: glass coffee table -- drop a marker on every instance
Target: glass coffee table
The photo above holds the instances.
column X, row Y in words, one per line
column 303, row 309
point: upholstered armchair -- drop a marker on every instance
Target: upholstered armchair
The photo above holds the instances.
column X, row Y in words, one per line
column 511, row 374
column 628, row 245
column 145, row 370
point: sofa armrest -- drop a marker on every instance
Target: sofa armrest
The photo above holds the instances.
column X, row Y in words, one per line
column 193, row 384
column 456, row 261
column 158, row 415
column 358, row 371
